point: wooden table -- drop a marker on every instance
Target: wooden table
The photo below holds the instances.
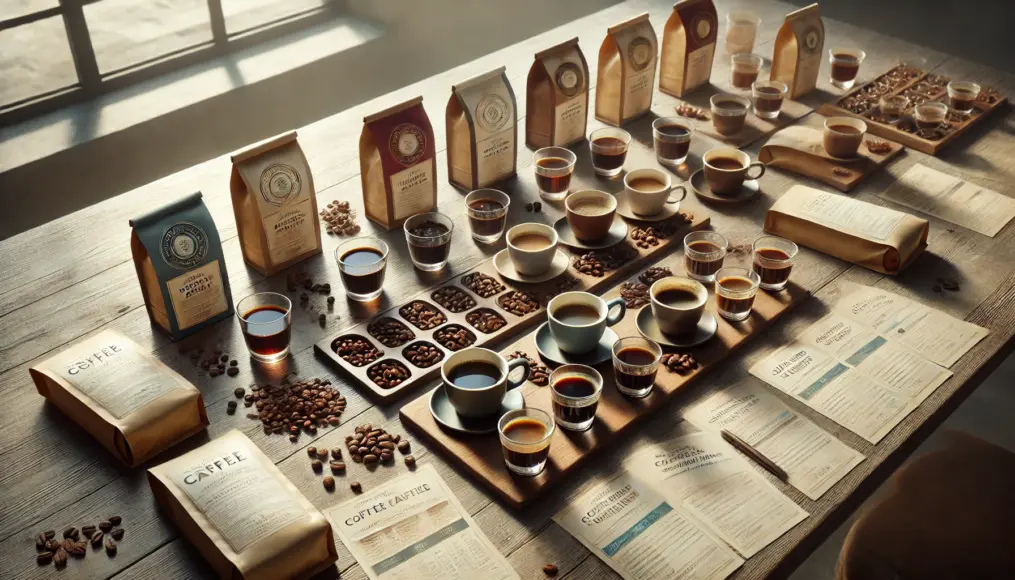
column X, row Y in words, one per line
column 74, row 276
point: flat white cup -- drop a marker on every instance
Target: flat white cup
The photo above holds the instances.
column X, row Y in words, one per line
column 532, row 262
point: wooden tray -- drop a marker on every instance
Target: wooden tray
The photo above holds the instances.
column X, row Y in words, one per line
column 481, row 455
column 920, row 87
column 543, row 291
column 754, row 127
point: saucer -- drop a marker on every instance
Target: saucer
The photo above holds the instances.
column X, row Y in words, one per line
column 617, row 233
column 702, row 190
column 505, row 267
column 551, row 353
column 624, row 209
column 447, row 417
column 649, row 328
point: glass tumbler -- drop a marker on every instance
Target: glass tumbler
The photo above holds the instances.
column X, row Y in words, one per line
column 266, row 320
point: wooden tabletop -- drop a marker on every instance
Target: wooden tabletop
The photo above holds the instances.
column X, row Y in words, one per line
column 74, row 276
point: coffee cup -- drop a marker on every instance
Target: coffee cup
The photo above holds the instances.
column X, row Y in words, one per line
column 677, row 303
column 476, row 380
column 648, row 190
column 843, row 136
column 578, row 320
column 726, row 169
column 531, row 247
column 590, row 214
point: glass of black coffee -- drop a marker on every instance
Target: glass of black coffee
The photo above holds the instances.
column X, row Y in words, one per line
column 635, row 364
column 773, row 261
column 361, row 264
column 609, row 150
column 525, row 438
column 266, row 318
column 671, row 137
column 553, row 167
column 962, row 96
column 487, row 210
column 429, row 238
column 575, row 392
column 704, row 253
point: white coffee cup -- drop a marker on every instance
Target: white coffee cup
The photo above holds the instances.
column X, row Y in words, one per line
column 651, row 202
column 532, row 262
column 678, row 319
column 581, row 338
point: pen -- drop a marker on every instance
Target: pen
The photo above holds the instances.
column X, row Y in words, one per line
column 754, row 454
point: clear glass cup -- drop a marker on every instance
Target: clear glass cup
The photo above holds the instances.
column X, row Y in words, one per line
column 553, row 167
column 962, row 96
column 609, row 150
column 729, row 113
column 768, row 98
column 671, row 137
column 773, row 261
column 735, row 290
column 744, row 70
column 525, row 451
column 429, row 238
column 362, row 276
column 741, row 31
column 635, row 364
column 845, row 66
column 266, row 320
column 575, row 392
column 487, row 210
column 704, row 253
column 930, row 115
column 893, row 108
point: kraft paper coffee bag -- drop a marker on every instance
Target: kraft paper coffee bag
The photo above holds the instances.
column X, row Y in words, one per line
column 247, row 520
column 688, row 47
column 178, row 257
column 627, row 71
column 798, row 46
column 275, row 204
column 482, row 131
column 397, row 162
column 134, row 405
column 557, row 97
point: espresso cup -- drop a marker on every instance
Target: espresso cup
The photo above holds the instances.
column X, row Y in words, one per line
column 579, row 319
column 726, row 169
column 528, row 260
column 843, row 136
column 483, row 400
column 644, row 201
column 590, row 214
column 677, row 303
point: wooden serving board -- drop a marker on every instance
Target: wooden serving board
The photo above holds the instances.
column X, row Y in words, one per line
column 514, row 323
column 481, row 455
column 754, row 127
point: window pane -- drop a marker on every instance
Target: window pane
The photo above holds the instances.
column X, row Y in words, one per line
column 244, row 14
column 15, row 8
column 35, row 59
column 126, row 32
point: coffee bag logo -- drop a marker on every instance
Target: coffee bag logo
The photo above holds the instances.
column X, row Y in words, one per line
column 703, row 27
column 407, row 144
column 184, row 246
column 569, row 79
column 812, row 39
column 280, row 183
column 492, row 113
column 639, row 53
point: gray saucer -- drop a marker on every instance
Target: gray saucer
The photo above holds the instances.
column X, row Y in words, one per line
column 552, row 354
column 445, row 414
column 700, row 187
column 649, row 328
column 617, row 233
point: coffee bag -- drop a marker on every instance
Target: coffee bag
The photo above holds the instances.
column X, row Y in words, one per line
column 397, row 164
column 178, row 257
column 798, row 46
column 134, row 405
column 275, row 204
column 557, row 97
column 627, row 71
column 247, row 520
column 688, row 47
column 482, row 131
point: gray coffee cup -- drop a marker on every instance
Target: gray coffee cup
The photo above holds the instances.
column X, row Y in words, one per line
column 678, row 318
column 578, row 338
column 485, row 401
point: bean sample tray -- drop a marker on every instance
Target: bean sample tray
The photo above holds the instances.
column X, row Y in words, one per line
column 462, row 309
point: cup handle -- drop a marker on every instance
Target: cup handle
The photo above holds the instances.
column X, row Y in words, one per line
column 610, row 319
column 683, row 194
column 752, row 166
column 518, row 362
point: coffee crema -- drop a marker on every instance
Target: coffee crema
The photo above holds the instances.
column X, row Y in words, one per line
column 589, row 206
column 646, row 184
column 844, row 129
column 525, row 431
column 680, row 298
column 734, row 305
column 531, row 241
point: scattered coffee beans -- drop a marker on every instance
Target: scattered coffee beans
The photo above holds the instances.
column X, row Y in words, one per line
column 453, row 299
column 877, row 146
column 598, row 262
column 842, row 172
column 110, row 547
column 312, row 451
column 679, row 363
column 388, row 374
column 485, row 320
column 483, row 285
column 117, row 534
column 97, row 538
column 635, row 294
column 538, row 374
column 71, row 532
column 423, row 354
column 317, row 465
column 454, row 337
column 340, row 219
column 238, row 392
column 692, row 112
column 653, row 274
column 518, row 302
column 356, row 350
column 390, row 332
column 60, row 558
column 301, row 406
column 75, row 542
column 422, row 315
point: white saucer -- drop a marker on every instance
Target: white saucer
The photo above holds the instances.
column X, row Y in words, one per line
column 617, row 233
column 624, row 209
column 552, row 354
column 505, row 267
column 649, row 328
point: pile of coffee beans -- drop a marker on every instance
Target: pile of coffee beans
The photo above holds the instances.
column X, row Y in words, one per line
column 538, row 374
column 356, row 350
column 317, row 459
column 74, row 542
column 948, row 284
column 390, row 332
column 293, row 408
column 454, row 299
column 518, row 302
column 422, row 315
column 372, row 445
column 646, row 237
column 598, row 262
column 454, row 337
column 692, row 112
column 340, row 219
column 388, row 374
column 651, row 236
column 679, row 363
column 485, row 320
column 483, row 285
column 635, row 294
column 653, row 274
column 877, row 146
column 423, row 354
column 215, row 364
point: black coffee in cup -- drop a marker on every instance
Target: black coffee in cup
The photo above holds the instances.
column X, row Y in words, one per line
column 358, row 258
column 474, row 375
column 638, row 357
column 576, row 387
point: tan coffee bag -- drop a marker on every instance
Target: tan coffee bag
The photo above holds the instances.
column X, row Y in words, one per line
column 247, row 520
column 872, row 236
column 397, row 163
column 797, row 57
column 482, row 131
column 275, row 204
column 627, row 71
column 557, row 97
column 134, row 405
column 688, row 47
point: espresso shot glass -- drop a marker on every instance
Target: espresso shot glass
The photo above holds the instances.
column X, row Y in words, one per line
column 553, row 167
column 893, row 108
column 575, row 392
column 361, row 265
column 635, row 365
column 487, row 210
column 744, row 70
column 266, row 321
column 735, row 290
column 962, row 96
column 525, row 436
column 845, row 66
column 768, row 98
column 429, row 238
column 930, row 115
column 704, row 253
column 729, row 113
column 609, row 150
column 773, row 261
column 671, row 137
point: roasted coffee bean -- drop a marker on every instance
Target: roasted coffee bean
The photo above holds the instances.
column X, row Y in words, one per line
column 52, row 544
column 390, row 332
column 529, row 206
column 538, row 374
column 422, row 354
column 692, row 112
column 105, row 525
column 317, row 465
column 312, row 451
column 306, row 404
column 550, row 569
column 388, row 374
column 454, row 337
column 635, row 294
column 50, row 534
column 340, row 220
column 370, row 458
column 40, row 542
column 231, row 407
column 97, row 538
column 356, row 487
column 483, row 285
column 386, row 456
column 404, row 447
column 410, row 461
column 88, row 530
column 115, row 520
column 422, row 315
column 110, row 547
column 67, row 543
column 356, row 350
column 239, row 392
column 233, row 371
column 654, row 274
column 485, row 320
column 518, row 302
column 322, row 454
column 70, row 532
column 537, row 206
column 60, row 558
column 117, row 534
column 357, row 458
column 679, row 363
column 234, row 362
column 78, row 550
column 453, row 299
column 336, row 452
column 644, row 238
column 337, row 467
column 329, row 482
column 44, row 558
column 386, row 445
